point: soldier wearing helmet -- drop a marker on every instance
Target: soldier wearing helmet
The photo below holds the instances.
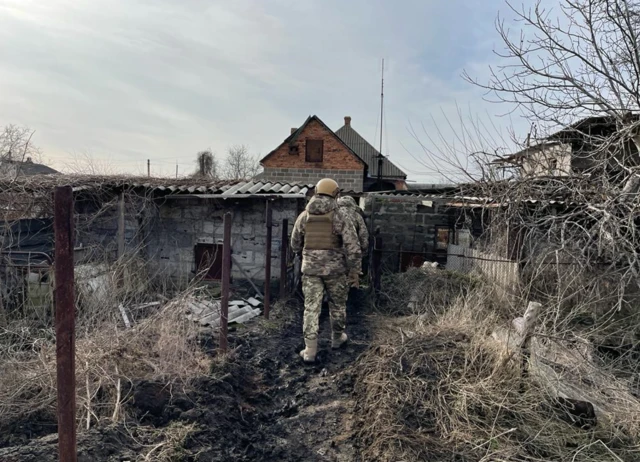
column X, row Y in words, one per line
column 330, row 250
column 355, row 213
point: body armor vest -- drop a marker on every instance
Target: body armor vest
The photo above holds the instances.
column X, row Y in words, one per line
column 319, row 233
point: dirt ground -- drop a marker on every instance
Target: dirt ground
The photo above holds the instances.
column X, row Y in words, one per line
column 263, row 404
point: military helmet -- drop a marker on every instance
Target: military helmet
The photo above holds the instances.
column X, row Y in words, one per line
column 347, row 201
column 328, row 187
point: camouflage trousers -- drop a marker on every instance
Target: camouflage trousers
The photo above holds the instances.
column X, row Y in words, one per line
column 313, row 288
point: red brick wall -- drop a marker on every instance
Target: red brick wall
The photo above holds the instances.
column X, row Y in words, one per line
column 336, row 155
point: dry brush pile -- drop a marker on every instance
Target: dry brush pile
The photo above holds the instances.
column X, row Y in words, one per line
column 160, row 347
column 446, row 390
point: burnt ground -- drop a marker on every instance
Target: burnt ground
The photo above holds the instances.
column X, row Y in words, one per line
column 262, row 404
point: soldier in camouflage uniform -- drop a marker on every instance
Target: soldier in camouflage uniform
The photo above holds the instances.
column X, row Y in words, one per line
column 330, row 251
column 355, row 213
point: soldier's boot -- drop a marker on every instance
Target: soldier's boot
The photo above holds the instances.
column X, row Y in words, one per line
column 311, row 349
column 338, row 339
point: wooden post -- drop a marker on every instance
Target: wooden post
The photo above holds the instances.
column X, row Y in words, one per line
column 283, row 258
column 121, row 210
column 226, row 282
column 376, row 261
column 267, row 262
column 65, row 323
column 525, row 327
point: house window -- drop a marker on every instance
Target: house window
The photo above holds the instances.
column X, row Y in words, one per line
column 209, row 261
column 442, row 238
column 293, row 150
column 314, row 151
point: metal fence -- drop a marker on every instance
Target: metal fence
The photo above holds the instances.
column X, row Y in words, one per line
column 504, row 273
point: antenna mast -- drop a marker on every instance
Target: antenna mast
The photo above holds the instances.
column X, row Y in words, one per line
column 381, row 119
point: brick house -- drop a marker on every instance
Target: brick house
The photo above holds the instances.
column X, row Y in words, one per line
column 314, row 151
column 390, row 178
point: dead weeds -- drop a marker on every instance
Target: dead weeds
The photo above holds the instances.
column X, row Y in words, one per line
column 440, row 392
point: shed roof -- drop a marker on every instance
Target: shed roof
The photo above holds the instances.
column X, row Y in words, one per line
column 162, row 186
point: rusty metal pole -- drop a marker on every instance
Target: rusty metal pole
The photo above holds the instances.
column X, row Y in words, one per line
column 226, row 282
column 65, row 323
column 267, row 262
column 284, row 245
column 121, row 225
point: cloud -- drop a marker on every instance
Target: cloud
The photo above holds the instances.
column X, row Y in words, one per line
column 164, row 79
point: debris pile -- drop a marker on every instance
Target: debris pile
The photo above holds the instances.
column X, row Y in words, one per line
column 207, row 312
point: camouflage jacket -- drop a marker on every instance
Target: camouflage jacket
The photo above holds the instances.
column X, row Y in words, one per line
column 355, row 213
column 328, row 262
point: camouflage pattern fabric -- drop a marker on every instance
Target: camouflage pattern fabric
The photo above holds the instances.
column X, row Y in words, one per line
column 355, row 214
column 332, row 262
column 314, row 288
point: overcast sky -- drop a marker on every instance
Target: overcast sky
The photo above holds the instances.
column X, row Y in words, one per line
column 127, row 80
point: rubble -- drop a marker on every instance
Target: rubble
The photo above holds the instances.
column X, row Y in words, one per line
column 207, row 312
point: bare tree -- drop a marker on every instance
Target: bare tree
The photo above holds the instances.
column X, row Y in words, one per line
column 240, row 164
column 207, row 165
column 16, row 144
column 584, row 61
column 85, row 163
column 574, row 73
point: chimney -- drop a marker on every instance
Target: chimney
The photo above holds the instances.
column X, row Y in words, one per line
column 347, row 120
column 293, row 130
column 29, row 160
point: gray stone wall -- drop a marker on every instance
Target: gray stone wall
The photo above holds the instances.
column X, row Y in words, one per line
column 182, row 223
column 349, row 180
column 407, row 224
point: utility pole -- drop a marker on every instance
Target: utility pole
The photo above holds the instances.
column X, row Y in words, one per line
column 381, row 122
column 149, row 167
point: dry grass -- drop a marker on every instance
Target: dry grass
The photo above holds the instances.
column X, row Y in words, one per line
column 441, row 391
column 422, row 291
column 109, row 358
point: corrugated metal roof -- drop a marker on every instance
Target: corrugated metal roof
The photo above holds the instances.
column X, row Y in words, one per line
column 165, row 186
column 461, row 201
column 368, row 153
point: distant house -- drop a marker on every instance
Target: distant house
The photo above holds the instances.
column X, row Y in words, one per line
column 574, row 150
column 391, row 178
column 313, row 151
column 15, row 168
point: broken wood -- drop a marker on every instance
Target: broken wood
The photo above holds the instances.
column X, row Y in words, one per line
column 579, row 391
column 125, row 318
column 529, row 321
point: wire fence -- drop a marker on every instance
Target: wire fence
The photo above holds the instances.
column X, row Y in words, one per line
column 504, row 273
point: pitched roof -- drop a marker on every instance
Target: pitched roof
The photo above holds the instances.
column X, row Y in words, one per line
column 294, row 136
column 29, row 168
column 368, row 153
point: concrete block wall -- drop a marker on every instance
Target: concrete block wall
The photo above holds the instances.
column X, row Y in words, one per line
column 181, row 224
column 97, row 228
column 406, row 224
column 348, row 180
